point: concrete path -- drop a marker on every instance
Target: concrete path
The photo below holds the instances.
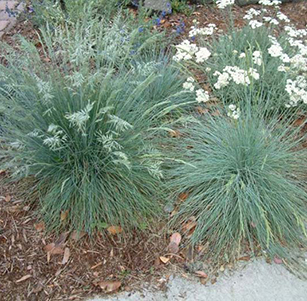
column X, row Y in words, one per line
column 257, row 281
column 9, row 11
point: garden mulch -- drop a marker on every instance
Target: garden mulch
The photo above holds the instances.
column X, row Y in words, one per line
column 38, row 266
column 69, row 265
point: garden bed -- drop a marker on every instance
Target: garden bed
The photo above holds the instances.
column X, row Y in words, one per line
column 64, row 266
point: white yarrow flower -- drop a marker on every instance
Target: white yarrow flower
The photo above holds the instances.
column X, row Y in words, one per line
column 234, row 112
column 270, row 2
column 188, row 86
column 224, row 3
column 282, row 17
column 232, row 107
column 275, row 50
column 202, row 96
column 253, row 73
column 202, row 55
column 185, row 50
column 255, row 24
column 257, row 58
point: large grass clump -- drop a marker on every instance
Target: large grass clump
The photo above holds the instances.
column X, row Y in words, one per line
column 244, row 184
column 82, row 126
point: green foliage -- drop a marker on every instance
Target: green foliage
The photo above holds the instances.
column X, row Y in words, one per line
column 246, row 185
column 181, row 6
column 62, row 11
column 83, row 126
column 99, row 45
column 237, row 49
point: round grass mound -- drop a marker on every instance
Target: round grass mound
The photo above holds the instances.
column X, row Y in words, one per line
column 244, row 184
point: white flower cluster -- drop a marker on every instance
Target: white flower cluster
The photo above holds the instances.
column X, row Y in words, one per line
column 188, row 85
column 270, row 2
column 299, row 44
column 251, row 13
column 254, row 13
column 224, row 3
column 299, row 63
column 255, row 24
column 271, row 20
column 282, row 17
column 233, row 111
column 205, row 31
column 297, row 90
column 186, row 51
column 295, row 33
column 257, row 58
column 235, row 74
column 202, row 55
column 201, row 95
column 277, row 51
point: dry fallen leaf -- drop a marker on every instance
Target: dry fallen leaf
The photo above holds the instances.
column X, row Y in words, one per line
column 189, row 227
column 245, row 258
column 109, row 286
column 213, row 281
column 66, row 256
column 253, row 224
column 14, row 209
column 24, row 278
column 173, row 248
column 202, row 110
column 176, row 238
column 62, row 238
column 47, row 59
column 96, row 265
column 54, row 249
column 40, row 226
column 175, row 134
column 201, row 274
column 277, row 260
column 299, row 122
column 113, row 230
column 8, row 198
column 76, row 235
column 216, row 113
column 183, row 196
column 64, row 215
column 164, row 259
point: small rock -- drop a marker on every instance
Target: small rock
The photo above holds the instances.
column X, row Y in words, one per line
column 161, row 5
